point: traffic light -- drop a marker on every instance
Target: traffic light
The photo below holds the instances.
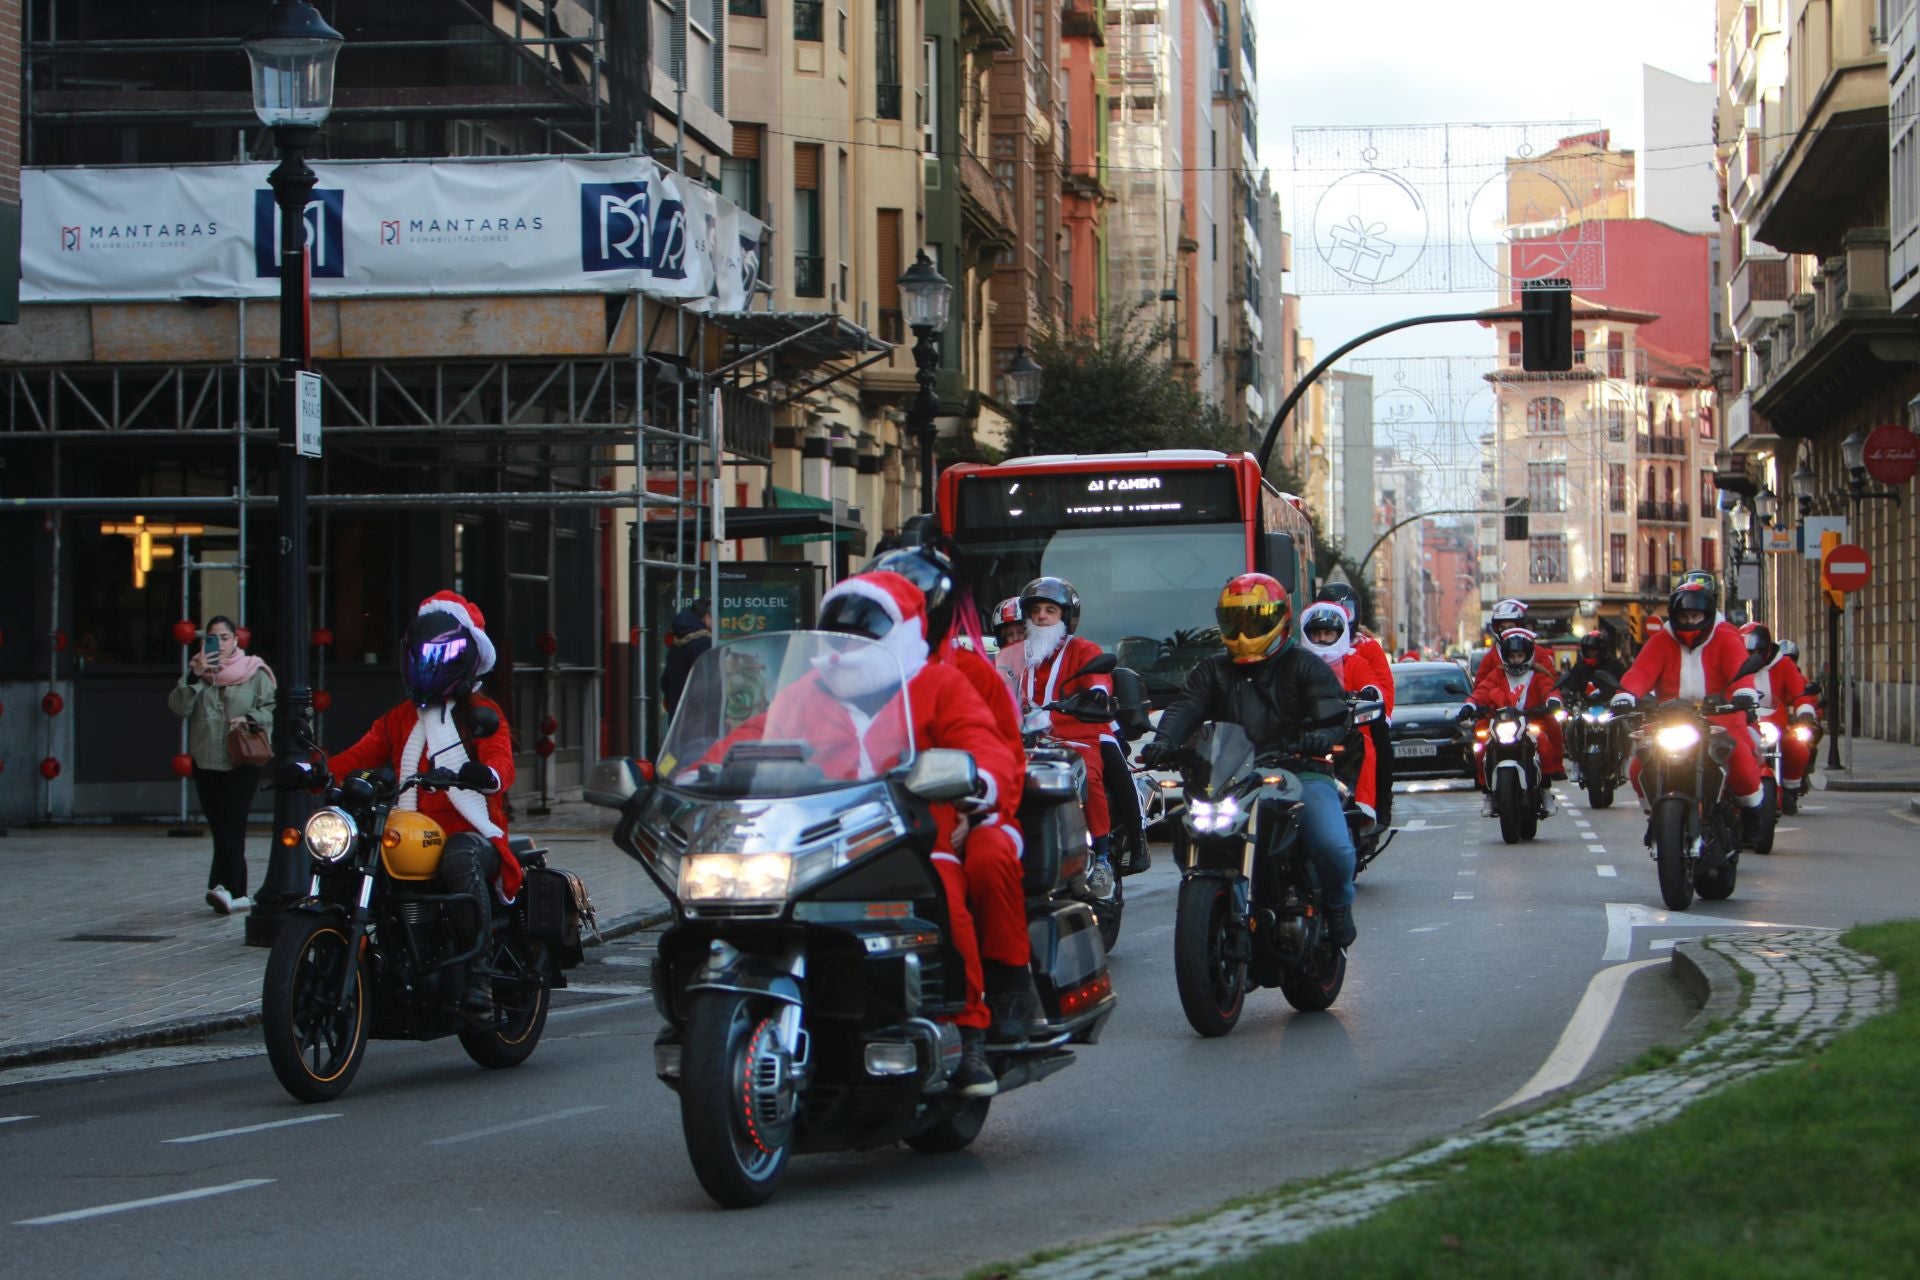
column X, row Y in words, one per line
column 1516, row 519
column 1546, row 326
column 1637, row 622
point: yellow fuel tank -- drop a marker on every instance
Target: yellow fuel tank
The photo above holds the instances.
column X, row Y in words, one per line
column 412, row 845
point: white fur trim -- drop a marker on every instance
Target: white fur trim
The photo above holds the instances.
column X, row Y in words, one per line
column 435, row 734
column 948, row 857
column 1011, row 832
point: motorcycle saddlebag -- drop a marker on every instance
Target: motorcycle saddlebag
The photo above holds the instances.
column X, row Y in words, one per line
column 557, row 908
column 1053, row 825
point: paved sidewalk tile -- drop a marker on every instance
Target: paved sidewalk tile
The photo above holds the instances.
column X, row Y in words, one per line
column 111, row 939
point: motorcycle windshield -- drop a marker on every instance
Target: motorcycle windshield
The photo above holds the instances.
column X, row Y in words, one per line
column 1225, row 752
column 789, row 713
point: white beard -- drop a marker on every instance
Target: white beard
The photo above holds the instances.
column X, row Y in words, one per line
column 870, row 669
column 1043, row 641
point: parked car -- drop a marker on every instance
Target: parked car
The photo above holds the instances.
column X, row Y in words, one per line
column 1426, row 737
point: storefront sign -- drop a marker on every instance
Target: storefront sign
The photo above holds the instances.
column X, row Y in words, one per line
column 409, row 227
column 755, row 596
column 1892, row 452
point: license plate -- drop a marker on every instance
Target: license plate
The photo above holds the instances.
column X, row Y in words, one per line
column 1415, row 749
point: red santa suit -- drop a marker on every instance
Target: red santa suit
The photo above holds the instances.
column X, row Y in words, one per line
column 992, row 849
column 1670, row 670
column 1552, row 734
column 1501, row 688
column 1374, row 665
column 1783, row 691
column 1052, row 678
column 1354, row 673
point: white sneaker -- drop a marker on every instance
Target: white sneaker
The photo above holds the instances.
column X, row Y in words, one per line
column 1486, row 804
column 1100, row 879
column 242, row 903
column 1548, row 805
column 220, row 900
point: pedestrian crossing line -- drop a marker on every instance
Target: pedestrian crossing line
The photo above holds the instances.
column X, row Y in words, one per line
column 1607, row 870
column 13, row 1119
column 254, row 1128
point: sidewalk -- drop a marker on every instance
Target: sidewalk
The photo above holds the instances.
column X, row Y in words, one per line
column 111, row 943
column 1877, row 766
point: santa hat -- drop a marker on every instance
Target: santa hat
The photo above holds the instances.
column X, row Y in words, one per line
column 902, row 602
column 470, row 617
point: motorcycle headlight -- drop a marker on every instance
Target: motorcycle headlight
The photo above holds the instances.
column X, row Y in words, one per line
column 1507, row 731
column 1213, row 816
column 1596, row 715
column 1769, row 733
column 1802, row 733
column 330, row 834
column 735, row 877
column 1677, row 738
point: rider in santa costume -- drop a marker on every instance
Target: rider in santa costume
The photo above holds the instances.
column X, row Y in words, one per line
column 1325, row 632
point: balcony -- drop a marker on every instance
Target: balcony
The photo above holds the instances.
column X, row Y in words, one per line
column 987, row 24
column 1661, row 446
column 1747, row 431
column 1835, row 162
column 1665, row 512
column 985, row 205
column 1746, row 173
column 1656, row 584
column 1757, row 294
column 1082, row 18
column 1740, row 59
column 1835, row 346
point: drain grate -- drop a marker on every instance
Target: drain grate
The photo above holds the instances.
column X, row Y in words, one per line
column 119, row 937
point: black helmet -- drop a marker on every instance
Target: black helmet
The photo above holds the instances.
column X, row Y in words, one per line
column 1698, row 600
column 1057, row 590
column 929, row 568
column 441, row 660
column 1342, row 594
column 1516, row 650
column 1594, row 644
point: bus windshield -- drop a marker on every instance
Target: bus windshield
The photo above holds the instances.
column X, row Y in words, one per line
column 1146, row 595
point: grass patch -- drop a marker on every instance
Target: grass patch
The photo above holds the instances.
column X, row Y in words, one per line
column 1807, row 1171
column 1660, row 1055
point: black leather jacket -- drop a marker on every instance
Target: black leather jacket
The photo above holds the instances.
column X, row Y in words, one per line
column 1272, row 701
column 1577, row 677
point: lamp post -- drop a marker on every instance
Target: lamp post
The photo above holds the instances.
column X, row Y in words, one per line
column 927, row 296
column 1024, row 376
column 292, row 53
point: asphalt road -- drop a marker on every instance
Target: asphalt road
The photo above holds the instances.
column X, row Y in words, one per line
column 1473, row 957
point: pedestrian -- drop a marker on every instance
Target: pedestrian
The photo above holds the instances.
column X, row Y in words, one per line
column 692, row 636
column 224, row 688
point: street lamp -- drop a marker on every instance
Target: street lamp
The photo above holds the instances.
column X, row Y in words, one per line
column 927, row 296
column 1854, row 451
column 292, row 53
column 1024, row 376
column 1801, row 484
column 1766, row 506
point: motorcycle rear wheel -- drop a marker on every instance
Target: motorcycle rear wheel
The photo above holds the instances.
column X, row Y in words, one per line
column 1507, row 801
column 315, row 1049
column 954, row 1132
column 1670, row 853
column 1599, row 788
column 1313, row 990
column 512, row 1042
column 739, row 1154
column 1212, row 984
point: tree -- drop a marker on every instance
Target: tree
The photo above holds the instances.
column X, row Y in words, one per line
column 1108, row 389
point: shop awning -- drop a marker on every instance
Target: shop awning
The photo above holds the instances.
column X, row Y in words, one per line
column 840, row 528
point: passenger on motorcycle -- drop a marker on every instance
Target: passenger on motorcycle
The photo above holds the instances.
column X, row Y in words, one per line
column 1518, row 682
column 1512, row 613
column 1054, row 656
column 1324, row 631
column 1697, row 655
column 446, row 652
column 991, row 850
column 1269, row 687
column 1783, row 698
column 1373, row 660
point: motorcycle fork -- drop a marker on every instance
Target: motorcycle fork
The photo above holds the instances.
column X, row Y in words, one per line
column 356, row 932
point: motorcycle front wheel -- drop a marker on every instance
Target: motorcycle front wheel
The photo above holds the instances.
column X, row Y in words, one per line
column 954, row 1132
column 1107, row 913
column 1769, row 815
column 315, row 1048
column 737, row 1099
column 1314, row 987
column 1670, row 852
column 1211, row 980
column 1599, row 779
column 1507, row 801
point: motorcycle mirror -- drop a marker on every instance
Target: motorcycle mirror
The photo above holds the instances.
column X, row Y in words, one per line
column 486, row 722
column 1088, row 708
column 1369, row 693
column 942, row 774
column 614, row 782
column 1100, row 666
column 1327, row 709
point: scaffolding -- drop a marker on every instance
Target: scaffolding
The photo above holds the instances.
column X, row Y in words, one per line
column 1143, row 225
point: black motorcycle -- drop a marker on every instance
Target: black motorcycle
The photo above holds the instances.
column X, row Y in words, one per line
column 1512, row 762
column 1370, row 839
column 1694, row 827
column 1250, row 912
column 374, row 952
column 1597, row 739
column 807, row 982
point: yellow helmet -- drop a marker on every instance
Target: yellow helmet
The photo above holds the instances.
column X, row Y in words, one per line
column 412, row 845
column 1255, row 616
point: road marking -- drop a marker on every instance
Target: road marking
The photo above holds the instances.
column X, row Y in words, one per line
column 1468, row 872
column 1582, row 1036
column 597, row 1006
column 1420, row 824
column 1596, row 848
column 1469, row 853
column 1783, row 831
column 1607, row 870
column 1427, row 928
column 606, row 989
column 182, row 1055
column 13, row 1119
column 635, row 962
column 511, row 1125
column 254, row 1128
column 1624, row 917
column 102, row 1210
column 1463, row 897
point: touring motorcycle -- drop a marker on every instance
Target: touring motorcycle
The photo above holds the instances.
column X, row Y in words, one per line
column 372, row 952
column 807, row 982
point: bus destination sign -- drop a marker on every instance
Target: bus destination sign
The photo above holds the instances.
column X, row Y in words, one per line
column 1074, row 499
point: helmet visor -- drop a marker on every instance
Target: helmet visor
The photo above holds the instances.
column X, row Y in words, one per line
column 1250, row 621
column 436, row 667
column 855, row 616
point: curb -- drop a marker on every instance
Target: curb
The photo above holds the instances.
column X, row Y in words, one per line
column 1872, row 784
column 194, row 1029
column 1710, row 979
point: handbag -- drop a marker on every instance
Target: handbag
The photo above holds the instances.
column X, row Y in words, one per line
column 248, row 744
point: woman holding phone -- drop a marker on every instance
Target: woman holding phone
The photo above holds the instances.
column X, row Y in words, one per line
column 223, row 688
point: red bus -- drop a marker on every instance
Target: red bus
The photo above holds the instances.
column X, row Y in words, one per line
column 1148, row 539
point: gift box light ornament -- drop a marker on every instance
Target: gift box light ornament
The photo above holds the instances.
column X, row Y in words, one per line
column 1360, row 251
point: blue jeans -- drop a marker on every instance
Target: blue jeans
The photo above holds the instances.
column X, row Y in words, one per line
column 1323, row 826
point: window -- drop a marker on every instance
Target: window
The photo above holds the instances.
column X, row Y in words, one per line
column 809, row 263
column 1547, row 486
column 1616, row 557
column 1667, row 474
column 887, row 268
column 1547, row 558
column 1546, row 413
column 844, row 222
column 1616, row 486
column 886, row 59
column 1513, row 350
column 1616, row 354
column 1616, row 422
column 1709, row 555
column 740, row 172
column 747, row 8
column 1706, row 423
column 929, row 96
column 1707, row 495
column 1005, row 161
column 1579, row 347
column 806, row 20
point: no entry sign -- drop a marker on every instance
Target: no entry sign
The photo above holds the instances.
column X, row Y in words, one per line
column 1848, row 568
